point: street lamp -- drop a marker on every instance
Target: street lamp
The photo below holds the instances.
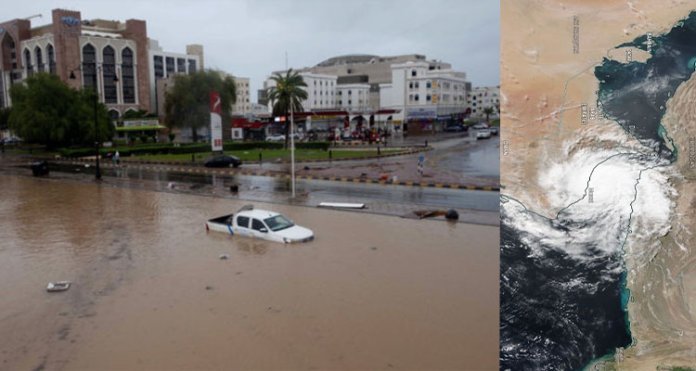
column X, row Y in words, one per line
column 97, row 173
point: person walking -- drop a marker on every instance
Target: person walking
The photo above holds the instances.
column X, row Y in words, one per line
column 117, row 158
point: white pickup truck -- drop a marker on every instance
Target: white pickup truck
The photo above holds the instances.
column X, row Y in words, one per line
column 263, row 224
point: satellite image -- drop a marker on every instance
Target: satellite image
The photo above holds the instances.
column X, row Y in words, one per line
column 598, row 185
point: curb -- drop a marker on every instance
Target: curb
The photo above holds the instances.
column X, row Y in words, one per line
column 189, row 163
column 207, row 171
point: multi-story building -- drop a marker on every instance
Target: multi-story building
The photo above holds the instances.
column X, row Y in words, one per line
column 165, row 65
column 483, row 97
column 110, row 54
column 321, row 91
column 421, row 94
column 383, row 89
column 353, row 97
column 242, row 106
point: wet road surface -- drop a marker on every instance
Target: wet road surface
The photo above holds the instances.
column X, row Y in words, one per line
column 149, row 291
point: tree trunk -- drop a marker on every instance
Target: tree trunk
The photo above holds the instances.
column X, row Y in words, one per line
column 194, row 134
column 287, row 131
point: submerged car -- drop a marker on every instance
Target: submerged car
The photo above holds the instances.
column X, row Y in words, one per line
column 223, row 161
column 258, row 223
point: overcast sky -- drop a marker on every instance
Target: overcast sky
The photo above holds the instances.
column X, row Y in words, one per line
column 250, row 38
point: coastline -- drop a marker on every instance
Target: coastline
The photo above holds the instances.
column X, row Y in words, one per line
column 661, row 306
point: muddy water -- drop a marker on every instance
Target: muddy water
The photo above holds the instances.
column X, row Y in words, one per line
column 149, row 292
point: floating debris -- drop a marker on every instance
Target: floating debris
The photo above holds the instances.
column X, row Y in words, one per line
column 58, row 286
column 224, row 257
column 342, row 205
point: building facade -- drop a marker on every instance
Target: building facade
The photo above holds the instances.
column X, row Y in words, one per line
column 483, row 97
column 242, row 106
column 423, row 95
column 395, row 89
column 165, row 65
column 321, row 91
column 108, row 55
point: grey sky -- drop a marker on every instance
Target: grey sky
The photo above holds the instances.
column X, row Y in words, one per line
column 249, row 38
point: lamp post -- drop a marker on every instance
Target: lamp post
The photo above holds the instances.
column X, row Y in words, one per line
column 292, row 148
column 97, row 173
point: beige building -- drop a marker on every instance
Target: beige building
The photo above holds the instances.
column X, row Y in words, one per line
column 483, row 97
column 242, row 106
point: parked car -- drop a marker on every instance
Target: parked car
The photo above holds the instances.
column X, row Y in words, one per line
column 494, row 130
column 263, row 224
column 483, row 134
column 11, row 140
column 480, row 125
column 275, row 138
column 454, row 128
column 223, row 161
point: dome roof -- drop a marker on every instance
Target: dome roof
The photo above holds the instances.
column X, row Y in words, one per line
column 346, row 59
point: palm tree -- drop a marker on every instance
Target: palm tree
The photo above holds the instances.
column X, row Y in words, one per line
column 488, row 111
column 287, row 96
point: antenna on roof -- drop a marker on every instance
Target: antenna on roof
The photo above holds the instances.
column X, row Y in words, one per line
column 32, row 16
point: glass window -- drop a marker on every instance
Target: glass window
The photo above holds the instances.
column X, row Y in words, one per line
column 257, row 225
column 27, row 62
column 127, row 76
column 89, row 72
column 109, row 74
column 413, row 72
column 278, row 223
column 159, row 66
column 39, row 59
column 428, row 85
column 181, row 65
column 243, row 221
column 192, row 66
column 170, row 65
column 51, row 59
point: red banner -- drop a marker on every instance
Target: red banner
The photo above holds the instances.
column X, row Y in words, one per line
column 215, row 105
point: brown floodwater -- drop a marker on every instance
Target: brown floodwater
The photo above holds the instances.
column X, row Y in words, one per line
column 149, row 292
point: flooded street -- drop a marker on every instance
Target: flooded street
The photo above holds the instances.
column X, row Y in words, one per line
column 149, row 292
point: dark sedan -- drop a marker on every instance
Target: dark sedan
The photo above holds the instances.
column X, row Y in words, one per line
column 223, row 161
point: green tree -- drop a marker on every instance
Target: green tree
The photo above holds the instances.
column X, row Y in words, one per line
column 488, row 111
column 187, row 104
column 46, row 111
column 287, row 93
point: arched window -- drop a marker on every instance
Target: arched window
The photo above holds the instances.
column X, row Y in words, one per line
column 39, row 59
column 27, row 62
column 89, row 67
column 127, row 76
column 51, row 59
column 109, row 75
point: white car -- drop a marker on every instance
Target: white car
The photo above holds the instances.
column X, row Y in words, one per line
column 263, row 224
column 480, row 125
column 483, row 134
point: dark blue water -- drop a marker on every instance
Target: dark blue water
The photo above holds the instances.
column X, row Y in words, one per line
column 557, row 312
column 635, row 95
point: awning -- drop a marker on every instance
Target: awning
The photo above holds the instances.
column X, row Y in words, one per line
column 246, row 124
